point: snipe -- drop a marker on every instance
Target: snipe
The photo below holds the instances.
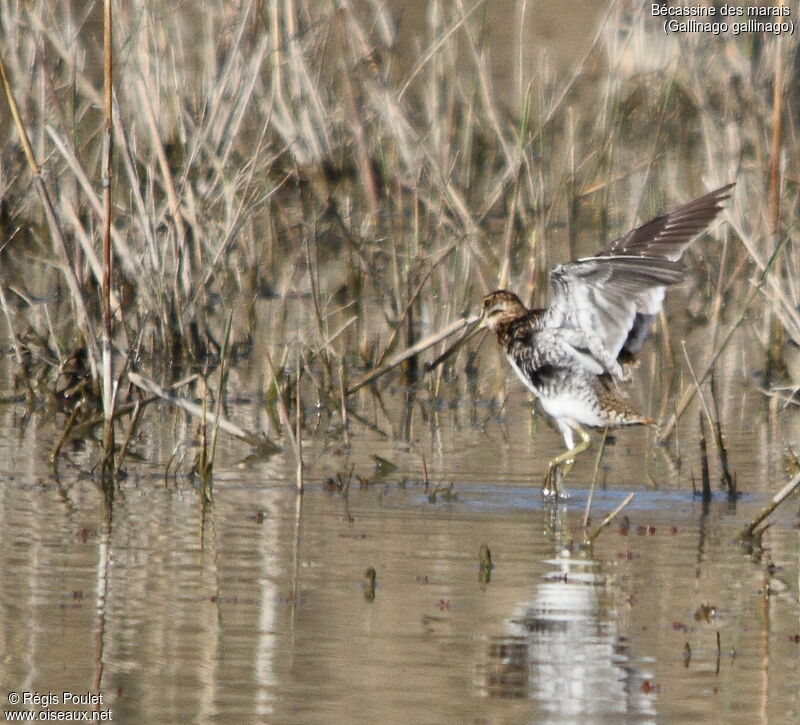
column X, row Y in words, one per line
column 573, row 354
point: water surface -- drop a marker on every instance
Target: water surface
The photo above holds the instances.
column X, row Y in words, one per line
column 252, row 608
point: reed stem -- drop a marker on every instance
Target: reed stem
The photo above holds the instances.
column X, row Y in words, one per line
column 108, row 322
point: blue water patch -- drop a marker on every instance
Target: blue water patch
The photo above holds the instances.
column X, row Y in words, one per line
column 499, row 499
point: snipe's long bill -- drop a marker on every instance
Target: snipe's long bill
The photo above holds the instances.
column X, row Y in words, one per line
column 573, row 354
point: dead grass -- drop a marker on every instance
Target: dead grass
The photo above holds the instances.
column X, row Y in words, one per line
column 282, row 156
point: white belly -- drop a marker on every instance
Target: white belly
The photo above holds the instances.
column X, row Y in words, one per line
column 570, row 406
column 564, row 405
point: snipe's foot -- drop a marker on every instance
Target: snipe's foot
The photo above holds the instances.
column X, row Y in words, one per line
column 553, row 485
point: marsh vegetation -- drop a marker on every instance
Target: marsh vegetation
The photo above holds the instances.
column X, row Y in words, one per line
column 299, row 191
column 284, row 152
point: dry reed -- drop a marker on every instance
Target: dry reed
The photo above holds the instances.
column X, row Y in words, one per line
column 288, row 157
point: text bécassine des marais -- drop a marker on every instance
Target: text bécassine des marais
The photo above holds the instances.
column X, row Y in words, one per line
column 724, row 10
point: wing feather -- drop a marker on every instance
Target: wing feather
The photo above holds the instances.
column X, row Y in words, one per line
column 602, row 304
column 668, row 235
column 594, row 302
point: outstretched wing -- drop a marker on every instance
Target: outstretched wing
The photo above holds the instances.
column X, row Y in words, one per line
column 595, row 301
column 668, row 236
column 605, row 303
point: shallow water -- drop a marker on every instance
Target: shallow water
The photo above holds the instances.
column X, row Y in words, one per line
column 253, row 608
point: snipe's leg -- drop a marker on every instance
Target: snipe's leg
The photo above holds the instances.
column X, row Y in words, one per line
column 560, row 466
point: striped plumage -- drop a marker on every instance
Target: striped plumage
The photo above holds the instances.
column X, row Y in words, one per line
column 572, row 354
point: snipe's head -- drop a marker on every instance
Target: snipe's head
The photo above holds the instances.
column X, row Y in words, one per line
column 500, row 308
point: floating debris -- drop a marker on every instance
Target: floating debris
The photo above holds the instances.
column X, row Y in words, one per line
column 705, row 613
column 485, row 574
column 608, row 519
column 444, row 490
column 369, row 584
column 382, row 465
column 749, row 532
